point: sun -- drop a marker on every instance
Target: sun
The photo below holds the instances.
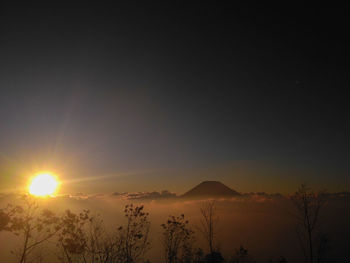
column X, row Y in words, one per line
column 43, row 184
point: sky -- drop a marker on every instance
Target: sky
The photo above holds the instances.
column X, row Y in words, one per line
column 130, row 97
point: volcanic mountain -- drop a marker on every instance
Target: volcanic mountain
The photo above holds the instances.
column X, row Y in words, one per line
column 210, row 189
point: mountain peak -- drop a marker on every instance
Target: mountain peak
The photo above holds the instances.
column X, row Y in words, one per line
column 210, row 189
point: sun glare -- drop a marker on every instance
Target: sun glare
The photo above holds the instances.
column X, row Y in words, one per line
column 43, row 185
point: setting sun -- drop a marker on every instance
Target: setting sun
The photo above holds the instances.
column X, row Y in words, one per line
column 43, row 185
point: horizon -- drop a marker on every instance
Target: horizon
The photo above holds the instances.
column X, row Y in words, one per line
column 178, row 193
column 131, row 107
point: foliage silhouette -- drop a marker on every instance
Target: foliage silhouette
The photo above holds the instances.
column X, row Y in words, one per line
column 73, row 239
column 35, row 227
column 177, row 240
column 308, row 205
column 6, row 217
column 208, row 225
column 133, row 237
column 214, row 257
column 82, row 238
column 242, row 256
column 281, row 259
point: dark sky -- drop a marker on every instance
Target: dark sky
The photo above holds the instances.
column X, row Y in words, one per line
column 168, row 93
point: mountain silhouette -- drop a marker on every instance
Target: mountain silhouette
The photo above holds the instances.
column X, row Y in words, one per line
column 210, row 189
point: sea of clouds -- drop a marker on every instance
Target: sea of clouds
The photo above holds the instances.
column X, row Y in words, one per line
column 263, row 223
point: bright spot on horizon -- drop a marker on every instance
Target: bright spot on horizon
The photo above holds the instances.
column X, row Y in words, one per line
column 43, row 185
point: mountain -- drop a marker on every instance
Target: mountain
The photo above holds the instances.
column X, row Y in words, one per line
column 210, row 189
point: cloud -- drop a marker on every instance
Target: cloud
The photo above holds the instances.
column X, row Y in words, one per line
column 243, row 220
column 165, row 194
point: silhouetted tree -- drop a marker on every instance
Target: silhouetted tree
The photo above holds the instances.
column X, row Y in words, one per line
column 83, row 239
column 308, row 205
column 242, row 256
column 177, row 240
column 72, row 239
column 100, row 246
column 322, row 248
column 133, row 237
column 4, row 219
column 6, row 215
column 33, row 226
column 281, row 259
column 208, row 224
column 214, row 257
column 198, row 256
